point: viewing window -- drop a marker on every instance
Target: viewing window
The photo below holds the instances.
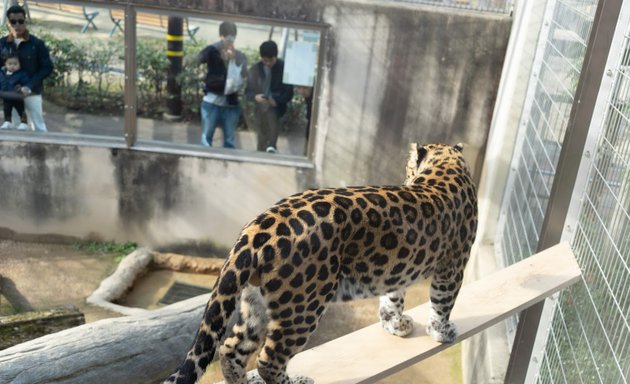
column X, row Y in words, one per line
column 182, row 93
column 84, row 95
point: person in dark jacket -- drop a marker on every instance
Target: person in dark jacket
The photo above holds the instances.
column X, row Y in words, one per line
column 227, row 71
column 271, row 95
column 34, row 59
column 14, row 83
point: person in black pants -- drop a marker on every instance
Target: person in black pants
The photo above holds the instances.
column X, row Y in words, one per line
column 271, row 95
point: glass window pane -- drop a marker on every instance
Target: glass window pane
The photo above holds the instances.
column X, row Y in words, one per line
column 84, row 93
column 193, row 77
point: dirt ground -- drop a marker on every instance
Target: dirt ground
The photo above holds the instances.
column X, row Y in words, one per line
column 43, row 276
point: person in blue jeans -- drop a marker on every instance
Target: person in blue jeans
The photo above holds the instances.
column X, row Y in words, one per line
column 34, row 60
column 225, row 77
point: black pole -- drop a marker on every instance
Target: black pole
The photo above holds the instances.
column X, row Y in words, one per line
column 175, row 54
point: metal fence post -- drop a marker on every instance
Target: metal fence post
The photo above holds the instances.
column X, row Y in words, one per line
column 131, row 119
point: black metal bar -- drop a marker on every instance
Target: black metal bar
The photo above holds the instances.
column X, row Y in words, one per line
column 175, row 54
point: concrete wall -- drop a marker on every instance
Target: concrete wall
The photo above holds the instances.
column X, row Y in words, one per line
column 122, row 194
column 401, row 74
column 393, row 74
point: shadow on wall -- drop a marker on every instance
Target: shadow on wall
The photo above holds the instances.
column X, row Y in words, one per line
column 47, row 187
column 146, row 184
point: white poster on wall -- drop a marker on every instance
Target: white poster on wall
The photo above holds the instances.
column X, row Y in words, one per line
column 300, row 60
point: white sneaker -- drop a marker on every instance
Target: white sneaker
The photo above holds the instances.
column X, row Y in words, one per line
column 271, row 149
column 23, row 126
column 6, row 125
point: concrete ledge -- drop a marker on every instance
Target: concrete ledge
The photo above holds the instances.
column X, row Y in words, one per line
column 137, row 264
column 121, row 281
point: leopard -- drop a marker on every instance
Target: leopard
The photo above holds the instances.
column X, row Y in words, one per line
column 338, row 244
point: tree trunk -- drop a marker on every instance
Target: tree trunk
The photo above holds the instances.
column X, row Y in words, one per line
column 141, row 348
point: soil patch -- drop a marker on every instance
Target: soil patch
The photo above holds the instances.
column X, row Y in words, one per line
column 37, row 276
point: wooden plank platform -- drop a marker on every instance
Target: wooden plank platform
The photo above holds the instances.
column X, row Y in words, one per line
column 370, row 354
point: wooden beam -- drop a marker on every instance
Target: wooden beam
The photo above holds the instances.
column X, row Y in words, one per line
column 370, row 354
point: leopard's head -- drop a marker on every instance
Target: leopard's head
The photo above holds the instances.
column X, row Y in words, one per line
column 423, row 156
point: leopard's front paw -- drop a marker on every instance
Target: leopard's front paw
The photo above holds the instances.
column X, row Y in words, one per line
column 398, row 326
column 298, row 379
column 442, row 332
column 254, row 378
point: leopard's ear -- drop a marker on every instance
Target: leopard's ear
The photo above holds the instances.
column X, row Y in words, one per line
column 417, row 152
column 459, row 147
column 422, row 152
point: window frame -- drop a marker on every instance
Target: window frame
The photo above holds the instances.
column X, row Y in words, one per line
column 130, row 130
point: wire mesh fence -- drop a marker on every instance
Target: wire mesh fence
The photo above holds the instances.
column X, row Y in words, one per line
column 589, row 337
column 554, row 78
column 590, row 334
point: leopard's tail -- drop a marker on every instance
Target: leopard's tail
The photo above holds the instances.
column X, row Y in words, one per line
column 225, row 294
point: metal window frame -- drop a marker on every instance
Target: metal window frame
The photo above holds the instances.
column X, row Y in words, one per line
column 573, row 145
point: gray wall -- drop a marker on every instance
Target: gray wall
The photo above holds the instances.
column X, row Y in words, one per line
column 393, row 74
column 121, row 194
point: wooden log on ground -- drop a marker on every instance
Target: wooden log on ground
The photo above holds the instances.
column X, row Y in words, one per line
column 189, row 264
column 142, row 348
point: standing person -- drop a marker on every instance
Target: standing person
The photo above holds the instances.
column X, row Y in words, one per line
column 14, row 84
column 34, row 58
column 227, row 71
column 265, row 87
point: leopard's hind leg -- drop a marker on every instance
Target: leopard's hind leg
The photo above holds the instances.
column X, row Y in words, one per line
column 444, row 290
column 245, row 336
column 393, row 320
column 292, row 320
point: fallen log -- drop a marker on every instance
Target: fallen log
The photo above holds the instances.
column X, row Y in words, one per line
column 141, row 348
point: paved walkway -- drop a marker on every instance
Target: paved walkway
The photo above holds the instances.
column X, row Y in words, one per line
column 59, row 120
